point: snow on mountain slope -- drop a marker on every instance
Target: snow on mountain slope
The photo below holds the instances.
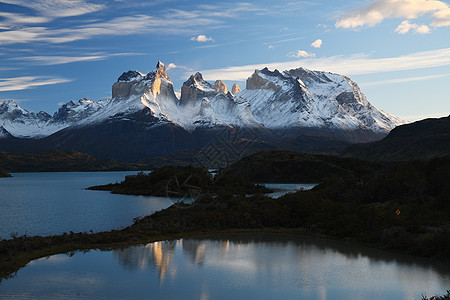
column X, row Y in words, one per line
column 303, row 98
column 274, row 100
column 208, row 106
column 21, row 123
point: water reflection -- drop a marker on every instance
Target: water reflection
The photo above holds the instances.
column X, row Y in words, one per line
column 256, row 266
column 270, row 253
column 157, row 254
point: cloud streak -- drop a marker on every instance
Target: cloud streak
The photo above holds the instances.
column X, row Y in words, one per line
column 58, row 60
column 28, row 82
column 172, row 21
column 300, row 53
column 380, row 10
column 58, row 8
column 403, row 80
column 348, row 65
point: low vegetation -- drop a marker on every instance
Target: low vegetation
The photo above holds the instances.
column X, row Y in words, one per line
column 3, row 173
column 443, row 297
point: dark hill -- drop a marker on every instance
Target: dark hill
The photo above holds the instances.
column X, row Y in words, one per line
column 287, row 166
column 419, row 140
column 58, row 161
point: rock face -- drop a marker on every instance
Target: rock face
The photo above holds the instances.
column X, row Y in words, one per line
column 144, row 118
column 195, row 89
column 235, row 89
column 134, row 83
column 320, row 102
column 220, row 87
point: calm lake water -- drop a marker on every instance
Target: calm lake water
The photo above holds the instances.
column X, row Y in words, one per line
column 57, row 202
column 233, row 266
column 53, row 203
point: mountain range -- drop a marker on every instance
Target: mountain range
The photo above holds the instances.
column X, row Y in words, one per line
column 144, row 118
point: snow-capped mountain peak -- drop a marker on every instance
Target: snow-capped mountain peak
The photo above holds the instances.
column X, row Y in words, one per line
column 301, row 98
column 297, row 100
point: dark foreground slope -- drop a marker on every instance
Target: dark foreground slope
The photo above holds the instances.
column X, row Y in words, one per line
column 419, row 140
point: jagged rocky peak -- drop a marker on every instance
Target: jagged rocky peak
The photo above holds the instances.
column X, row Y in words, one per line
column 134, row 83
column 220, row 87
column 196, row 88
column 74, row 111
column 44, row 116
column 161, row 70
column 259, row 81
column 130, row 76
column 235, row 89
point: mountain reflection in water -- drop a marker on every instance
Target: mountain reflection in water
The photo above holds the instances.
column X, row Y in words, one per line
column 256, row 252
column 231, row 266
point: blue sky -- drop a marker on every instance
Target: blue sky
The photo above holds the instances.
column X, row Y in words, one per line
column 398, row 51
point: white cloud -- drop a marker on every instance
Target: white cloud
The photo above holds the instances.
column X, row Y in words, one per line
column 348, row 65
column 174, row 22
column 202, row 38
column 174, row 66
column 441, row 18
column 27, row 82
column 405, row 27
column 15, row 18
column 58, row 60
column 270, row 47
column 300, row 53
column 379, row 10
column 58, row 8
column 317, row 43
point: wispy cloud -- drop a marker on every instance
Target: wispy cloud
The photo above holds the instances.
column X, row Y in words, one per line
column 58, row 8
column 348, row 65
column 28, row 82
column 58, row 60
column 403, row 80
column 172, row 66
column 380, row 10
column 202, row 38
column 300, row 53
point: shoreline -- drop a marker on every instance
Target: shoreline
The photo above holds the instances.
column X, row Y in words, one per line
column 10, row 267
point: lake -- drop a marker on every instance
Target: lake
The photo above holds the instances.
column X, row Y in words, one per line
column 54, row 203
column 232, row 266
column 57, row 202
